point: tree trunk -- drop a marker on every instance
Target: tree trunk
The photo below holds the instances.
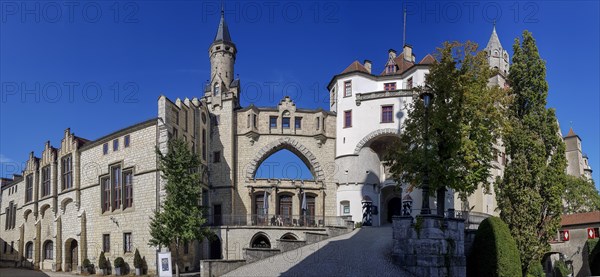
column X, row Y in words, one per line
column 177, row 259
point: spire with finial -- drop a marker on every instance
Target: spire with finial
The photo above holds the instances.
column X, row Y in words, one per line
column 223, row 31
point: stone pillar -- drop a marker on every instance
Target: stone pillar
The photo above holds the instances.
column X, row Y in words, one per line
column 59, row 245
column 37, row 255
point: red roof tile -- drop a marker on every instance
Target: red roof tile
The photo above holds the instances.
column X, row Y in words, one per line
column 581, row 218
column 355, row 66
column 429, row 59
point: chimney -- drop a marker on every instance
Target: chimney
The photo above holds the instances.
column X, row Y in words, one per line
column 368, row 66
column 392, row 54
column 408, row 56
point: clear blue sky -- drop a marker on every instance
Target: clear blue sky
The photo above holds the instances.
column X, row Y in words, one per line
column 59, row 54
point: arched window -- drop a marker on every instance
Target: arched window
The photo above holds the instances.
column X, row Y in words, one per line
column 260, row 240
column 217, row 89
column 29, row 250
column 289, row 236
column 285, row 207
column 48, row 250
column 345, row 207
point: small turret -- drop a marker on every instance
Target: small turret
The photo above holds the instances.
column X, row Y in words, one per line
column 222, row 53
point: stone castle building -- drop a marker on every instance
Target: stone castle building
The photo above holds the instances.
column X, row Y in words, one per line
column 89, row 196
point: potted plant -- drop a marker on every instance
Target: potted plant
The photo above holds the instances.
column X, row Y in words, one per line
column 102, row 263
column 86, row 266
column 119, row 264
column 138, row 263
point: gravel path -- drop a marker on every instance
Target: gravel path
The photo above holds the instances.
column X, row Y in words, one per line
column 363, row 252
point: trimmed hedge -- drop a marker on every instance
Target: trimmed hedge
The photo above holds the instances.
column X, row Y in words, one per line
column 494, row 251
column 536, row 270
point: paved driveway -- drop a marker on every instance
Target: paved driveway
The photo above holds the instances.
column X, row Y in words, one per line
column 18, row 272
column 364, row 252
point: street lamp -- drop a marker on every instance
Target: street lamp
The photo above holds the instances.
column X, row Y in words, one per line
column 427, row 97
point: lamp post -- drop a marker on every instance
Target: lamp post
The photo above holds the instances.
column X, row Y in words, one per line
column 427, row 97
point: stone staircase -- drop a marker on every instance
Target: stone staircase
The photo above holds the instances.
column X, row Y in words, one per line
column 215, row 268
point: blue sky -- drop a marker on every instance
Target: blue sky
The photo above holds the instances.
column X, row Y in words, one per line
column 98, row 66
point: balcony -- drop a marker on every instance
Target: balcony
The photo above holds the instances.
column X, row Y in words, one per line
column 274, row 220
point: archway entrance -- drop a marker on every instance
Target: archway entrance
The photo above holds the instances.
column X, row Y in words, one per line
column 215, row 249
column 394, row 207
column 71, row 255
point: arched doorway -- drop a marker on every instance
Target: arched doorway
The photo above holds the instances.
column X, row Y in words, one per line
column 394, row 207
column 215, row 249
column 71, row 255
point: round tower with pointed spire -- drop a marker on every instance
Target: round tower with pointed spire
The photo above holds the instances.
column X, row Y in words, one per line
column 222, row 54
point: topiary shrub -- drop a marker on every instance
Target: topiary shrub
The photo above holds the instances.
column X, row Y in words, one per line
column 494, row 251
column 137, row 259
column 119, row 262
column 102, row 262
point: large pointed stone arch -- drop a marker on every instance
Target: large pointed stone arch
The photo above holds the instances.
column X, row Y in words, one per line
column 373, row 135
column 309, row 159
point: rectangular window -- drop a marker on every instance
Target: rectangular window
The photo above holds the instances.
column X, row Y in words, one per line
column 389, row 86
column 12, row 247
column 273, row 121
column 285, row 122
column 318, row 123
column 29, row 188
column 46, row 181
column 217, row 157
column 186, row 120
column 176, row 114
column 387, row 114
column 106, row 243
column 204, row 144
column 298, row 122
column 347, row 88
column 348, row 119
column 255, row 121
column 186, row 248
column 409, row 83
column 175, row 133
column 126, row 141
column 116, row 187
column 67, row 172
column 128, row 181
column 105, row 148
column 115, row 145
column 127, row 243
column 346, row 209
column 105, row 186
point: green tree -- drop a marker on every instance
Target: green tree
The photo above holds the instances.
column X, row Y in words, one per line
column 529, row 193
column 581, row 196
column 465, row 117
column 180, row 219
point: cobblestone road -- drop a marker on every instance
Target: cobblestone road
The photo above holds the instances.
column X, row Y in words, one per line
column 364, row 252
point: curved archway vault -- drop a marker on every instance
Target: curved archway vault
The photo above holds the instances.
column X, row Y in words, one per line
column 377, row 133
column 309, row 159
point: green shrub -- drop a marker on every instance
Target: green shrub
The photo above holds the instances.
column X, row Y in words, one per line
column 536, row 270
column 494, row 251
column 86, row 263
column 102, row 262
column 594, row 255
column 561, row 269
column 137, row 260
column 119, row 262
column 358, row 225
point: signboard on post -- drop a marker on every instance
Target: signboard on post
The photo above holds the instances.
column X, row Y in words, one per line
column 164, row 265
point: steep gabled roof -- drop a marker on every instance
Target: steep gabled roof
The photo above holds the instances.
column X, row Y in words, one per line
column 355, row 66
column 401, row 64
column 429, row 59
column 494, row 42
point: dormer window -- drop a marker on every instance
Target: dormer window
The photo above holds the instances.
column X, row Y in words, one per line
column 217, row 89
column 390, row 68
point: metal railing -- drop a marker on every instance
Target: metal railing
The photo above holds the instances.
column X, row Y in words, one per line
column 276, row 220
